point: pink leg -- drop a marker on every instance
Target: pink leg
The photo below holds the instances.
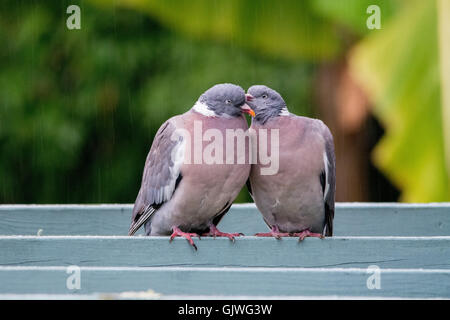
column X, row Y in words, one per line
column 275, row 232
column 306, row 233
column 214, row 232
column 176, row 232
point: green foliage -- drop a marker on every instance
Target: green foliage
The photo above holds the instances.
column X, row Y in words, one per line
column 79, row 108
column 399, row 67
column 352, row 15
column 289, row 29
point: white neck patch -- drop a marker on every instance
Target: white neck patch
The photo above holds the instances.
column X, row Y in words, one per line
column 203, row 109
column 284, row 112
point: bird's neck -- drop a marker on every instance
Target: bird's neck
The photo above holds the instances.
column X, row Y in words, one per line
column 266, row 115
column 203, row 109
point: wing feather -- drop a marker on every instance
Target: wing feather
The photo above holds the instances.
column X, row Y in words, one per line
column 328, row 180
column 162, row 175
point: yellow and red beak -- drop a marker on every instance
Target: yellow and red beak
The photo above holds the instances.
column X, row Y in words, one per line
column 246, row 109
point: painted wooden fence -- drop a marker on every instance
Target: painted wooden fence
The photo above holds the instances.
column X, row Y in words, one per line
column 82, row 251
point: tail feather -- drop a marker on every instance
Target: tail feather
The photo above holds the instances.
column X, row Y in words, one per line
column 135, row 225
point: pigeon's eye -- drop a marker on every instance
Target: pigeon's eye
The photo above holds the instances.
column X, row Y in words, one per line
column 228, row 101
column 264, row 96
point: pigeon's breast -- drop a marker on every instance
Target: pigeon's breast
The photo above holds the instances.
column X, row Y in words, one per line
column 292, row 197
column 210, row 181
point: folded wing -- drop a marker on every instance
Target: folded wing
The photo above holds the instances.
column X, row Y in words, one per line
column 162, row 174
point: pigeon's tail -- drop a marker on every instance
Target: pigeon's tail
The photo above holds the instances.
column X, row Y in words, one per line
column 328, row 229
column 136, row 224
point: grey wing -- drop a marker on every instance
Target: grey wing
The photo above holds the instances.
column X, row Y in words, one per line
column 162, row 174
column 328, row 180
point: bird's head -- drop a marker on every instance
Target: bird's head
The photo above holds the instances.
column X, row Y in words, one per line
column 226, row 99
column 266, row 102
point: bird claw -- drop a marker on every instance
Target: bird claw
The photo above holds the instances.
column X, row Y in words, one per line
column 275, row 232
column 214, row 232
column 276, row 235
column 176, row 232
column 306, row 233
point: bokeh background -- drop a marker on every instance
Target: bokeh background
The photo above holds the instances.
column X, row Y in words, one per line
column 79, row 108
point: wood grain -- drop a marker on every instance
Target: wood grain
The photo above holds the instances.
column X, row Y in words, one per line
column 351, row 219
column 228, row 281
column 410, row 243
column 386, row 252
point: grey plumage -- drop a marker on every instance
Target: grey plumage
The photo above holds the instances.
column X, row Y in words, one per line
column 267, row 103
column 176, row 193
column 223, row 99
column 159, row 177
column 300, row 196
column 329, row 178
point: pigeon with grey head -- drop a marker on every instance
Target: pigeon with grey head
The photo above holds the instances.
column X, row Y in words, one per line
column 298, row 200
column 179, row 195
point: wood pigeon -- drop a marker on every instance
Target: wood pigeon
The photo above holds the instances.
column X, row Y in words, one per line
column 182, row 192
column 297, row 200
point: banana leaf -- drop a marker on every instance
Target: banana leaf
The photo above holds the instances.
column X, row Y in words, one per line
column 400, row 70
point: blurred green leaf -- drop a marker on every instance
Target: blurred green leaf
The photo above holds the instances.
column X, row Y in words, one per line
column 444, row 44
column 78, row 109
column 352, row 14
column 288, row 29
column 399, row 68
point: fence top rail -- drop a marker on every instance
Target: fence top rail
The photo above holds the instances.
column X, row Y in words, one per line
column 244, row 238
column 351, row 219
column 128, row 206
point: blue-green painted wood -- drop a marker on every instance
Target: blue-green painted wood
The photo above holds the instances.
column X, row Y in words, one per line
column 386, row 252
column 352, row 219
column 412, row 248
column 45, row 296
column 228, row 281
column 143, row 295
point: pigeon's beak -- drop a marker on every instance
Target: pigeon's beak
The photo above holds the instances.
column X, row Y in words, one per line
column 249, row 97
column 246, row 109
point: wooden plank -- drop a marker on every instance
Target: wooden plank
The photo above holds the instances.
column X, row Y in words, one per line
column 393, row 219
column 65, row 219
column 386, row 252
column 352, row 219
column 228, row 281
column 140, row 295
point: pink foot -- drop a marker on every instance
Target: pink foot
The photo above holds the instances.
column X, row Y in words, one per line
column 214, row 232
column 306, row 233
column 275, row 232
column 176, row 232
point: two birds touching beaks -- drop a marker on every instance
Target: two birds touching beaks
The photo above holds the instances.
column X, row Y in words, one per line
column 185, row 198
